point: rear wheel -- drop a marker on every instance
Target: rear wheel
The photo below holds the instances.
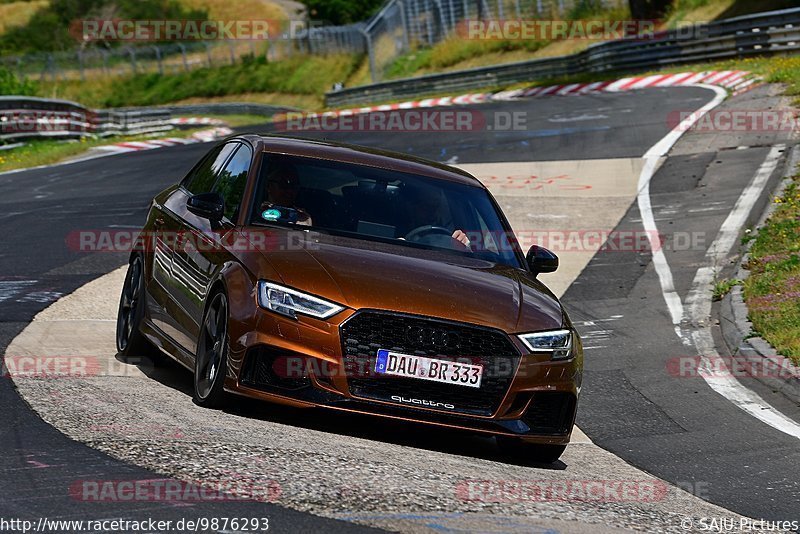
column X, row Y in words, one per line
column 522, row 450
column 130, row 341
column 212, row 354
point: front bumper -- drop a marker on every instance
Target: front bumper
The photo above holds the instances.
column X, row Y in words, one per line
column 308, row 363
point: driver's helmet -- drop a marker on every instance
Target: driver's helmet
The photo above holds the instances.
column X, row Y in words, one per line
column 423, row 204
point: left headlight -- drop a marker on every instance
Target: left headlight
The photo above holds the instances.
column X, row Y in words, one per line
column 557, row 342
column 290, row 302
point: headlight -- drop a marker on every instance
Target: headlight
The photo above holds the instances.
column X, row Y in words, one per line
column 290, row 302
column 557, row 342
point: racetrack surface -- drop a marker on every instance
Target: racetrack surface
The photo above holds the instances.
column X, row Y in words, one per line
column 677, row 429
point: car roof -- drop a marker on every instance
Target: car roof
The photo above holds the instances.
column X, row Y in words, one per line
column 360, row 155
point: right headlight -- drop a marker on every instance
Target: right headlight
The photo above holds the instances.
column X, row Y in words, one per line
column 556, row 342
column 290, row 302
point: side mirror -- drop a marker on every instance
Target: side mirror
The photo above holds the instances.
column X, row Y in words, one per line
column 210, row 206
column 541, row 260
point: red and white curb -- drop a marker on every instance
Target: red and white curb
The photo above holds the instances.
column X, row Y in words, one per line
column 736, row 81
column 462, row 100
column 194, row 121
column 203, row 136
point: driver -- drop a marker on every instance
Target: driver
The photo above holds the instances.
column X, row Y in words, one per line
column 283, row 184
column 425, row 208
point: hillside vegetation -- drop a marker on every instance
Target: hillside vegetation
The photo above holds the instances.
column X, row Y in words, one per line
column 302, row 80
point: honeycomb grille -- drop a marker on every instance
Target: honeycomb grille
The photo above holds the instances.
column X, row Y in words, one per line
column 366, row 332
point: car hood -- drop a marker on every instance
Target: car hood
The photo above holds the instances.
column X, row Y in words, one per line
column 366, row 274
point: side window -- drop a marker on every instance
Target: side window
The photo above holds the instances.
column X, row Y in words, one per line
column 233, row 180
column 204, row 176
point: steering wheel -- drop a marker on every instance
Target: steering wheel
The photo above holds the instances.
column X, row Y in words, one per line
column 426, row 229
column 417, row 233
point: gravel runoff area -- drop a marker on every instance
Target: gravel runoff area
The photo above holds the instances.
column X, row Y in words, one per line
column 401, row 477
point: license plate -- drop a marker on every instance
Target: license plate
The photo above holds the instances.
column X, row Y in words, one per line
column 444, row 371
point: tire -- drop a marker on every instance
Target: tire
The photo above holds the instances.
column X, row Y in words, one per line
column 519, row 449
column 130, row 340
column 211, row 357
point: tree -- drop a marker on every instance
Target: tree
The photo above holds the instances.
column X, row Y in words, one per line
column 341, row 11
column 648, row 9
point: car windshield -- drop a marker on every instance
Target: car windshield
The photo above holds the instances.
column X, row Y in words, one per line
column 376, row 204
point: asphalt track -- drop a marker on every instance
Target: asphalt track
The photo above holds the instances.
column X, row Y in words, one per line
column 678, row 429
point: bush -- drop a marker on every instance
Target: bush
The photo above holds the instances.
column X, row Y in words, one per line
column 50, row 28
column 11, row 85
column 341, row 11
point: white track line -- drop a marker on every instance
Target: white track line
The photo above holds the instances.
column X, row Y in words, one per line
column 692, row 324
column 698, row 306
column 651, row 160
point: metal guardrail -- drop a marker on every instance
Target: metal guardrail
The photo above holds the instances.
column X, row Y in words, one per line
column 226, row 108
column 774, row 32
column 29, row 117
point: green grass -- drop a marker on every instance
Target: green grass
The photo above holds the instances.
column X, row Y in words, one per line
column 233, row 120
column 46, row 152
column 723, row 287
column 772, row 291
column 299, row 75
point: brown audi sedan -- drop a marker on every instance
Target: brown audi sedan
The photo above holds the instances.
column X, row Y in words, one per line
column 324, row 275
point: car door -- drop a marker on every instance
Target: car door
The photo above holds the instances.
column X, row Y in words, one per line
column 202, row 252
column 181, row 287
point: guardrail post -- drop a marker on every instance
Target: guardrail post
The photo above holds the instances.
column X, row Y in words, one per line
column 158, row 59
column 79, row 53
column 132, row 54
column 48, row 67
column 208, row 54
column 442, row 21
column 371, row 53
column 486, row 12
column 183, row 56
column 429, row 24
column 404, row 21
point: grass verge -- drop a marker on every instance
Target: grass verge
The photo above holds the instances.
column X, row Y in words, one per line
column 772, row 291
column 308, row 76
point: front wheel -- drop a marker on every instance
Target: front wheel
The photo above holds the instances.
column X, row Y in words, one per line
column 519, row 449
column 212, row 354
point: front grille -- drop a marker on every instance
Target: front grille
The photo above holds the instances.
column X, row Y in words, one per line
column 366, row 332
column 550, row 413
